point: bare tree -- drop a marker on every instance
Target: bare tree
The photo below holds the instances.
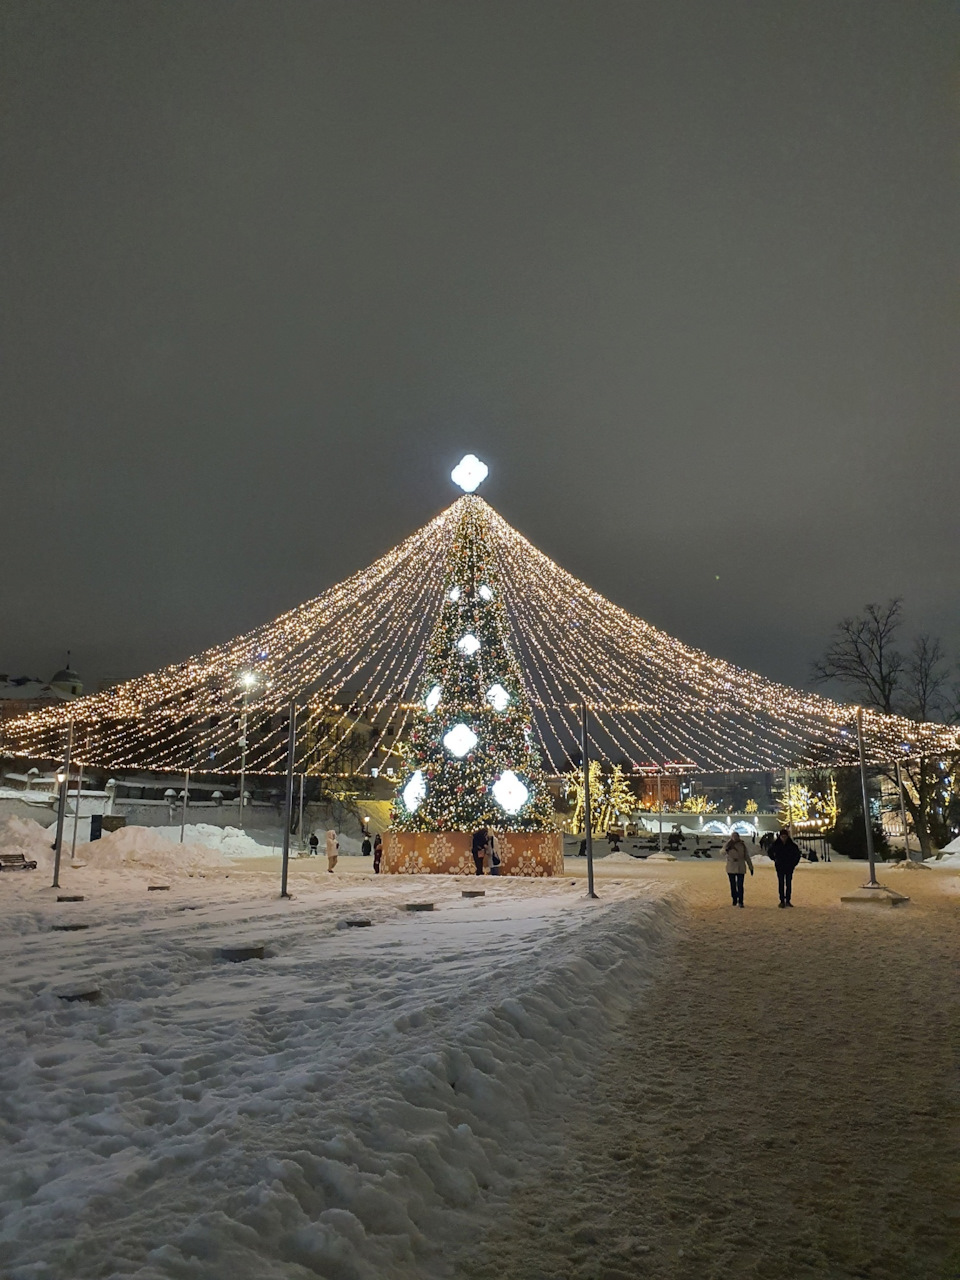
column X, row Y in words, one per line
column 863, row 655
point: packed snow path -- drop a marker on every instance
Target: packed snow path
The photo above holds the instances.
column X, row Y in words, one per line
column 784, row 1105
column 351, row 1106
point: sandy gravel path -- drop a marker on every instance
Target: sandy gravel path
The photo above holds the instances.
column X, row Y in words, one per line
column 782, row 1106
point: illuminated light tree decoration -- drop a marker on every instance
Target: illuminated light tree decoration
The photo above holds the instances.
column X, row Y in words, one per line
column 361, row 650
column 472, row 744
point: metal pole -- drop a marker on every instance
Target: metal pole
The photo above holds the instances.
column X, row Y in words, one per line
column 62, row 809
column 660, row 808
column 587, row 817
column 300, row 820
column 788, row 806
column 288, row 809
column 243, row 757
column 903, row 816
column 183, row 811
column 76, row 816
column 868, row 829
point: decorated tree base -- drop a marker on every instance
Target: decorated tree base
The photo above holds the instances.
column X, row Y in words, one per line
column 447, row 853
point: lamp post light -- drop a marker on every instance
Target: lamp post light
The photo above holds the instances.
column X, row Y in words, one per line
column 248, row 682
column 660, row 808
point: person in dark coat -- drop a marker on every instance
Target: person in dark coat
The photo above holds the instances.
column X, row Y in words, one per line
column 479, row 848
column 377, row 852
column 314, row 843
column 366, row 848
column 785, row 855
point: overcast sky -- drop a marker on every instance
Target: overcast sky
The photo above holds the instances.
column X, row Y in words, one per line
column 683, row 272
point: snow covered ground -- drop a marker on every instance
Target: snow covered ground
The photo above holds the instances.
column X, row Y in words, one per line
column 357, row 1104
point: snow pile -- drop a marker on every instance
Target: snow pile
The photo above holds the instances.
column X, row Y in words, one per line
column 231, row 842
column 952, row 847
column 906, row 864
column 23, row 835
column 945, row 860
column 28, row 797
column 360, row 1106
column 661, row 857
column 620, row 856
column 136, row 848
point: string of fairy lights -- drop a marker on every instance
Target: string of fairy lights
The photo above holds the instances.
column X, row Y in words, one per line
column 353, row 659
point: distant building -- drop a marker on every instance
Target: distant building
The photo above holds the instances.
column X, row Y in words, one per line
column 20, row 694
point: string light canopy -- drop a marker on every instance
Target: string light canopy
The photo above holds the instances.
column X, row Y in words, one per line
column 353, row 659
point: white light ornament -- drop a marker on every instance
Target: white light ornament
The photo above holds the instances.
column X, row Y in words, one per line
column 415, row 792
column 453, row 594
column 468, row 645
column 469, row 473
column 498, row 697
column 432, row 700
column 510, row 793
column 459, row 740
column 484, row 592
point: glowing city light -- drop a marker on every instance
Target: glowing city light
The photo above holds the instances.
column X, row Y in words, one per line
column 459, row 740
column 469, row 473
column 415, row 792
column 509, row 792
column 498, row 697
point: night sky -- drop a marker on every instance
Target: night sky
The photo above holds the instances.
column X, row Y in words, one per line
column 682, row 272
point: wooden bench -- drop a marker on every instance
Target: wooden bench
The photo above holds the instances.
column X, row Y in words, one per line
column 15, row 862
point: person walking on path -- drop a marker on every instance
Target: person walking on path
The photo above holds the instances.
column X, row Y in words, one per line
column 377, row 852
column 333, row 850
column 366, row 848
column 314, row 844
column 738, row 860
column 785, row 855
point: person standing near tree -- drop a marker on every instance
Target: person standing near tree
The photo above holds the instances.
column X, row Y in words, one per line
column 333, row 850
column 738, row 860
column 479, row 848
column 786, row 856
column 377, row 852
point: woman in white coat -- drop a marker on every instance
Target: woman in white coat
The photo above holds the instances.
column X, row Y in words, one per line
column 738, row 860
column 333, row 850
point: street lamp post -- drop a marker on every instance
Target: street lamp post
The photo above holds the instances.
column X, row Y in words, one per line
column 186, row 795
column 76, row 815
column 64, row 780
column 587, row 817
column 288, row 807
column 868, row 829
column 903, row 815
column 660, row 808
column 247, row 680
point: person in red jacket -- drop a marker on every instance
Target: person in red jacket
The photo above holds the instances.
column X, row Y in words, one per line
column 785, row 855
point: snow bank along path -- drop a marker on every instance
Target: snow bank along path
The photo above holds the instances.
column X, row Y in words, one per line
column 346, row 1107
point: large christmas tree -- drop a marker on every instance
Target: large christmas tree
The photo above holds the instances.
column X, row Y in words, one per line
column 470, row 759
